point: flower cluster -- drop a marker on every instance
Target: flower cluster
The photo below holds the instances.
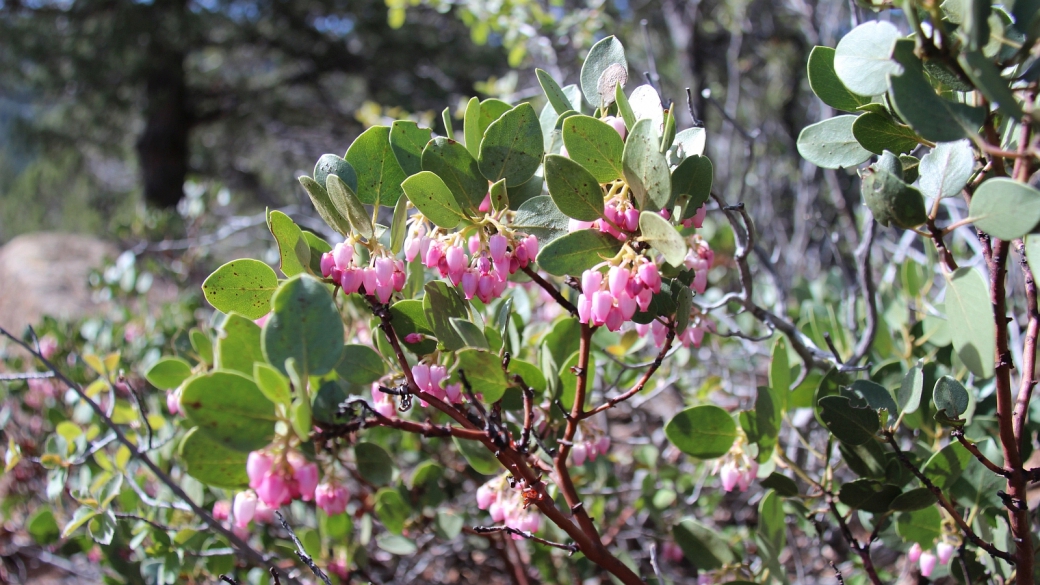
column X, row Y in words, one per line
column 692, row 335
column 621, row 217
column 699, row 259
column 590, row 449
column 431, row 379
column 927, row 559
column 278, row 482
column 506, row 505
column 383, row 276
column 613, row 300
column 484, row 272
column 736, row 470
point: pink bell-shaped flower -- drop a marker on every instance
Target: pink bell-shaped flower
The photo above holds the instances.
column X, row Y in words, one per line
column 331, row 498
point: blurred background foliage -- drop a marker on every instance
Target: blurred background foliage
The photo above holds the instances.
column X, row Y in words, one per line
column 106, row 105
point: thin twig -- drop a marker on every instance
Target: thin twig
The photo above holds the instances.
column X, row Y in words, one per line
column 25, row 376
column 571, row 548
column 552, row 290
column 306, row 558
column 862, row 550
column 972, row 448
column 654, row 564
column 944, row 502
column 638, row 387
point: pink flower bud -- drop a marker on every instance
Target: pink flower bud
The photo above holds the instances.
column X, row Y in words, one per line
column 631, row 219
column 414, row 338
column 437, row 376
column 603, row 444
column 521, row 255
column 453, row 392
column 221, row 510
column 497, row 245
column 273, row 489
column 927, row 562
column 474, row 244
column 469, row 284
column 643, row 299
column 914, row 553
column 257, row 465
column 579, row 453
column 485, row 205
column 700, row 281
column 602, row 302
column 618, row 124
column 456, row 259
column 368, row 278
column 671, row 552
column 398, row 280
column 48, row 346
column 411, row 248
column 650, row 276
column 264, row 513
column 485, row 497
column 327, row 264
column 343, row 255
column 591, row 281
column 421, row 375
column 729, row 476
column 627, row 305
column 384, row 268
column 306, row 477
column 530, row 522
column 944, row 550
column 433, row 255
column 584, row 308
column 351, row 280
column 531, row 243
column 698, row 217
column 244, row 508
column 618, row 278
column 497, row 511
column 485, row 287
column 331, row 498
column 173, row 402
column 615, row 319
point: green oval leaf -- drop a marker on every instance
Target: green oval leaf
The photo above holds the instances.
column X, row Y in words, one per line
column 293, row 249
column 360, row 364
column 407, row 141
column 863, row 57
column 323, row 204
column 603, row 54
column 577, row 251
column 242, row 286
column 950, row 397
column 830, row 144
column 662, row 237
column 692, row 178
column 704, row 432
column 441, row 304
column 272, row 383
column 553, row 92
column 879, row 132
column 946, row 169
column 512, row 147
column 868, row 495
column 484, row 372
column 478, row 457
column 970, row 320
column 374, row 463
column 594, row 145
column 212, row 463
column 433, row 199
column 306, row 326
column 408, row 316
column 348, row 204
column 889, row 198
column 645, row 167
column 450, row 161
column 239, row 344
column 330, row 164
column 826, row 85
column 379, row 174
column 540, row 218
column 1005, row 208
column 922, row 526
column 229, row 409
column 573, row 189
column 909, row 395
column 392, row 510
column 932, row 117
column 915, row 499
column 168, row 373
column 851, row 425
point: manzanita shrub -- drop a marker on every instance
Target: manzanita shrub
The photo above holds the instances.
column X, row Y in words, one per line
column 446, row 370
